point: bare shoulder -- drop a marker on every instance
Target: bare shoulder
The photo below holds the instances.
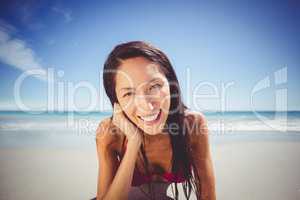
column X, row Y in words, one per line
column 107, row 134
column 197, row 129
column 196, row 120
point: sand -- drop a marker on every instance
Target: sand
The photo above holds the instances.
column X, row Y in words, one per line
column 47, row 174
column 244, row 169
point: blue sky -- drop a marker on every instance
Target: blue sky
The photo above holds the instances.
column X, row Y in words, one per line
column 210, row 44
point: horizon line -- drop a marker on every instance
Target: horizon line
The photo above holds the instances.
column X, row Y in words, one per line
column 107, row 111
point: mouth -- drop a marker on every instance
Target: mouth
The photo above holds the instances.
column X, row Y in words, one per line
column 151, row 119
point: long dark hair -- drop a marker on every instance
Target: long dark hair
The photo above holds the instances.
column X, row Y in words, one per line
column 181, row 159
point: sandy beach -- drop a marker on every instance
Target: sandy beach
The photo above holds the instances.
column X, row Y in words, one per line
column 258, row 170
column 151, row 67
column 47, row 174
column 254, row 169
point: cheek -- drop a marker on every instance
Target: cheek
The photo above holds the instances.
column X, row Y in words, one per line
column 126, row 104
column 129, row 109
column 165, row 100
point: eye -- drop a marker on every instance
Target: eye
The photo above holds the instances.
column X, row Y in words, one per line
column 127, row 94
column 155, row 86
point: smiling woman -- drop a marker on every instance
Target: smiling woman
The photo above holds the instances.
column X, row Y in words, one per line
column 152, row 140
column 143, row 93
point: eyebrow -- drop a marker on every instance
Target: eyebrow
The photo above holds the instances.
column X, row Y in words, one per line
column 129, row 88
column 126, row 88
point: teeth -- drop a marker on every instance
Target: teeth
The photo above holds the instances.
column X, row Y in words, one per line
column 150, row 118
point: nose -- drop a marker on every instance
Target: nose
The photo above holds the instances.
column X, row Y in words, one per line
column 144, row 104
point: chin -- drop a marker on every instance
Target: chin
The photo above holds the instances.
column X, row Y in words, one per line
column 153, row 130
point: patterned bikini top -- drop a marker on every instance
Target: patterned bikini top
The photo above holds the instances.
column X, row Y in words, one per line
column 139, row 178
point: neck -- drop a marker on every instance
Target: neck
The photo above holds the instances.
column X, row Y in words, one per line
column 153, row 138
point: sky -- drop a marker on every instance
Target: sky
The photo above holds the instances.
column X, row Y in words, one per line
column 228, row 55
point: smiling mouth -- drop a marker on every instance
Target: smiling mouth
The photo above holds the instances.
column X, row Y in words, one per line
column 150, row 119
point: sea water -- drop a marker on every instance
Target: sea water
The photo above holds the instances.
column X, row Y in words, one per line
column 77, row 129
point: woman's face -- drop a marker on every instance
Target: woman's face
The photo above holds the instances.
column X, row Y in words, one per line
column 143, row 93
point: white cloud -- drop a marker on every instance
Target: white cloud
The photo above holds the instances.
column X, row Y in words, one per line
column 16, row 53
column 67, row 13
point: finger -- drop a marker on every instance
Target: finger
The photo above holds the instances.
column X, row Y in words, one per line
column 117, row 111
column 117, row 116
column 117, row 108
column 122, row 122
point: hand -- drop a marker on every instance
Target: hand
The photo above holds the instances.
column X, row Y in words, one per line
column 119, row 120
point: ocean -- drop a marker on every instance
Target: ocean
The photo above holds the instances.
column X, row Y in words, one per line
column 69, row 129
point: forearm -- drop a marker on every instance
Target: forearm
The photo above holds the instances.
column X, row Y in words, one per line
column 120, row 186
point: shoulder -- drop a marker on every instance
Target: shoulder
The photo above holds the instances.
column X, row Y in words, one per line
column 196, row 128
column 107, row 134
column 195, row 120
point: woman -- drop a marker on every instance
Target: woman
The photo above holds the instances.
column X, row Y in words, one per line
column 151, row 140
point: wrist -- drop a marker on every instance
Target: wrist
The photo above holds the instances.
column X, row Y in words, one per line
column 135, row 141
